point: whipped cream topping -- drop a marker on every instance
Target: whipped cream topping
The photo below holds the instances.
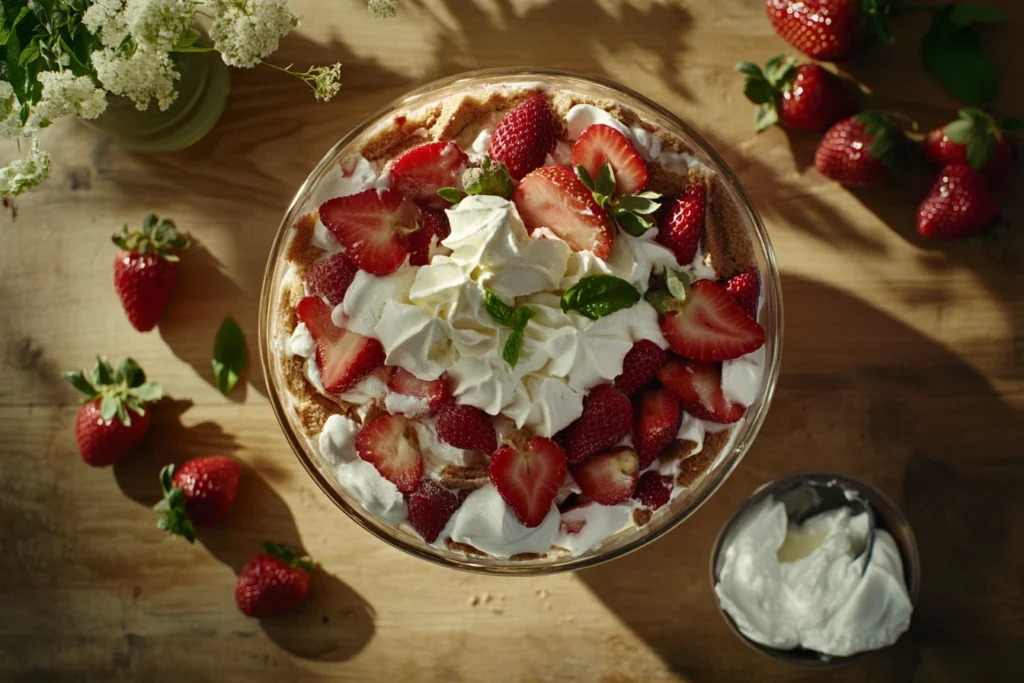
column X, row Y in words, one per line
column 599, row 523
column 485, row 522
column 808, row 585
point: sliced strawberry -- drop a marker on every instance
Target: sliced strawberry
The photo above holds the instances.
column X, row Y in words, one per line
column 681, row 224
column 639, row 366
column 710, row 326
column 600, row 143
column 434, row 392
column 372, row 226
column 465, row 426
column 528, row 474
column 655, row 424
column 746, row 289
column 607, row 417
column 573, row 526
column 699, row 387
column 610, row 477
column 653, row 489
column 330, row 277
column 435, row 228
column 524, row 137
column 430, row 507
column 553, row 197
column 344, row 357
column 422, row 171
column 389, row 444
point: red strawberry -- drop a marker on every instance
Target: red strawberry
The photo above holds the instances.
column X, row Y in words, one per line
column 528, row 472
column 610, row 477
column 655, row 424
column 113, row 420
column 699, row 387
column 746, row 289
column 600, row 143
column 330, row 277
column 553, row 197
column 639, row 366
column 797, row 96
column 465, row 426
column 976, row 139
column 828, row 29
column 653, row 490
column 681, row 225
column 199, row 493
column 419, row 173
column 430, row 507
column 434, row 392
column 859, row 150
column 389, row 443
column 435, row 228
column 146, row 268
column 708, row 324
column 607, row 417
column 959, row 204
column 372, row 226
column 273, row 582
column 524, row 137
column 344, row 357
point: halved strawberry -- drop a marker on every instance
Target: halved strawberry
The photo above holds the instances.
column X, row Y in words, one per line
column 699, row 387
column 610, row 477
column 419, row 173
column 372, row 226
column 655, row 423
column 524, row 137
column 681, row 225
column 554, row 198
column 434, row 392
column 600, row 143
column 528, row 473
column 435, row 228
column 389, row 444
column 344, row 357
column 709, row 325
column 330, row 277
column 746, row 289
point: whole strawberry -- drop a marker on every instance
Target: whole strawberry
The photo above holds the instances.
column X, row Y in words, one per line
column 199, row 493
column 959, row 204
column 828, row 29
column 146, row 268
column 524, row 137
column 860, row 150
column 976, row 139
column 273, row 582
column 795, row 96
column 113, row 419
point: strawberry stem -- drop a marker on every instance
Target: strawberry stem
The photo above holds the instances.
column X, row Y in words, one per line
column 174, row 518
column 288, row 556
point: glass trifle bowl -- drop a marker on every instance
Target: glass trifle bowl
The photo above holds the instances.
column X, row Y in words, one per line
column 512, row 470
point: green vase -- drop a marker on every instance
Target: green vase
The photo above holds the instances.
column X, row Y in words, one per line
column 202, row 93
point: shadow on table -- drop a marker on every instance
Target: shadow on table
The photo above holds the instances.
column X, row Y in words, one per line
column 335, row 623
column 861, row 393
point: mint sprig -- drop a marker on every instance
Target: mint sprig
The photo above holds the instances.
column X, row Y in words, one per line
column 952, row 52
column 229, row 355
column 596, row 296
column 491, row 178
column 515, row 319
column 631, row 211
column 122, row 391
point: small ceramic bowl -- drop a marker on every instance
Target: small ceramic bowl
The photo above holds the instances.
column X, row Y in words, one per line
column 887, row 516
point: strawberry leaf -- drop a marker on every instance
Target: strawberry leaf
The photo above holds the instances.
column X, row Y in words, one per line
column 596, row 296
column 953, row 54
column 604, row 184
column 584, row 176
column 109, row 406
column 79, row 381
column 229, row 355
column 633, row 224
column 148, row 392
column 765, row 116
column 288, row 556
column 678, row 283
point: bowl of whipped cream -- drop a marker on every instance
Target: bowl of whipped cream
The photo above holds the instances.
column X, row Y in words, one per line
column 817, row 569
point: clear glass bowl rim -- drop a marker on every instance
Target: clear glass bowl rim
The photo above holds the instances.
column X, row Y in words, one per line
column 709, row 482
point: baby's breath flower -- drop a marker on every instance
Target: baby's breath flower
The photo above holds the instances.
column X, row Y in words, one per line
column 24, row 174
column 383, row 9
column 157, row 24
column 65, row 94
column 143, row 76
column 246, row 31
column 324, row 80
column 106, row 19
column 10, row 112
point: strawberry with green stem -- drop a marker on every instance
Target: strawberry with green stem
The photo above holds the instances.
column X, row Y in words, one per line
column 146, row 269
column 861, row 150
column 113, row 418
column 273, row 582
column 977, row 139
column 829, row 29
column 491, row 178
column 795, row 96
column 199, row 493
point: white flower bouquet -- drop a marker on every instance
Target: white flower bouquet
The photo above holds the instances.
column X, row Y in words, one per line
column 63, row 57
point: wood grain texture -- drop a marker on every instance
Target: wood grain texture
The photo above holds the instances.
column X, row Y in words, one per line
column 904, row 365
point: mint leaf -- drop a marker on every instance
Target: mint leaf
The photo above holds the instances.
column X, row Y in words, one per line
column 500, row 312
column 678, row 283
column 952, row 53
column 494, row 179
column 452, row 195
column 515, row 319
column 513, row 346
column 521, row 317
column 229, row 355
column 596, row 296
column 632, row 223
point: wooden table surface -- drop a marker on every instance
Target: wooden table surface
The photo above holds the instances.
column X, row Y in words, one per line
column 903, row 365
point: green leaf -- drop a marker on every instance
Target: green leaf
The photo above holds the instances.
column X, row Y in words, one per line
column 102, row 372
column 953, row 54
column 500, row 312
column 149, row 392
column 492, row 179
column 758, row 90
column 960, row 131
column 513, row 347
column 980, row 149
column 109, row 406
column 584, row 176
column 596, row 296
column 194, row 48
column 765, row 116
column 229, row 355
column 289, row 556
column 6, row 31
column 129, row 372
column 29, row 54
column 632, row 223
column 78, row 381
column 750, row 69
column 678, row 283
column 452, row 195
column 604, row 184
column 779, row 69
column 13, row 48
column 635, row 203
column 188, row 38
column 521, row 317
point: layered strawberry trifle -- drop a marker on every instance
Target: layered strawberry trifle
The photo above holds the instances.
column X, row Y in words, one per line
column 519, row 321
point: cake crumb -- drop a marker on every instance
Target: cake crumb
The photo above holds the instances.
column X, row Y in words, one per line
column 497, row 610
column 473, row 600
column 486, row 597
column 547, row 607
column 542, row 593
